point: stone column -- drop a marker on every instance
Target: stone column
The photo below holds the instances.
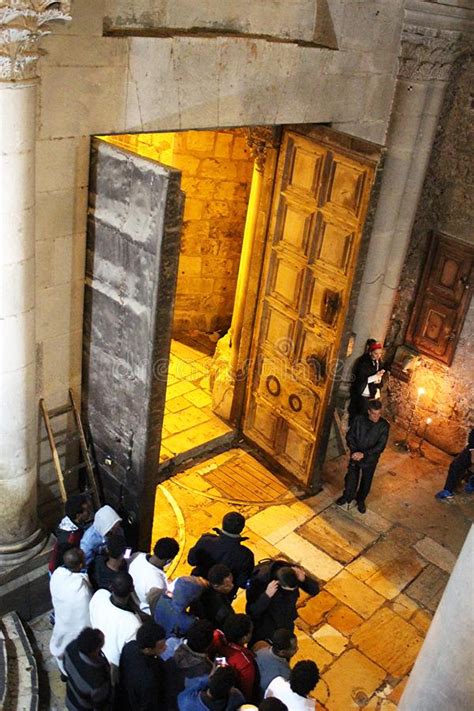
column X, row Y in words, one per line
column 426, row 58
column 442, row 675
column 226, row 357
column 21, row 27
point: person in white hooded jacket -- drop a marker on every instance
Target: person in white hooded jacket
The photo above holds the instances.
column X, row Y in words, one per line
column 106, row 522
column 71, row 594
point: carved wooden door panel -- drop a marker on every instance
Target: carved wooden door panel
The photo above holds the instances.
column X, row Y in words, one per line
column 443, row 298
column 133, row 236
column 319, row 206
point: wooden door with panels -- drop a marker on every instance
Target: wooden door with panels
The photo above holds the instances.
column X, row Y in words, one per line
column 443, row 298
column 322, row 190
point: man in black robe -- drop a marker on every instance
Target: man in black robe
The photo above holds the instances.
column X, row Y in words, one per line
column 366, row 438
column 367, row 380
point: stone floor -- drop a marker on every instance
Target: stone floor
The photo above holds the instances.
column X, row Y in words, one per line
column 382, row 573
column 189, row 420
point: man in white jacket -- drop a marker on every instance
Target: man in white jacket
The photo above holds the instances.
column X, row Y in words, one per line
column 148, row 574
column 295, row 693
column 71, row 594
column 116, row 616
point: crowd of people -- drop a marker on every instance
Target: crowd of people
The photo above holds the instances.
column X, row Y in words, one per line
column 126, row 637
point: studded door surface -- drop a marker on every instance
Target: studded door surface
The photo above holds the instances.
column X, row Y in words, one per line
column 319, row 205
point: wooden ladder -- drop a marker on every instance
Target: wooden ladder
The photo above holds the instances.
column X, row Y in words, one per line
column 76, row 435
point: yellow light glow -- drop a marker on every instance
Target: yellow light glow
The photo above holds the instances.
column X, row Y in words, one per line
column 421, row 391
column 429, row 420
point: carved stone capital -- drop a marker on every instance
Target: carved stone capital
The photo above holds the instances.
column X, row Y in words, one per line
column 22, row 25
column 259, row 139
column 428, row 54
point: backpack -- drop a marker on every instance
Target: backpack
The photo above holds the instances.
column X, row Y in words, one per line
column 264, row 571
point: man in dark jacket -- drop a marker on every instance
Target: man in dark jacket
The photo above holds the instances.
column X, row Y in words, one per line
column 88, row 673
column 272, row 595
column 142, row 672
column 367, row 380
column 457, row 470
column 104, row 568
column 224, row 546
column 214, row 604
column 366, row 438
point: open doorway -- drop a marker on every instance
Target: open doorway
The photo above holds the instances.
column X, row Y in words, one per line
column 300, row 213
column 216, row 173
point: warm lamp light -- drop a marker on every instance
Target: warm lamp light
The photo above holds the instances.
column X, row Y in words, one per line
column 421, row 391
column 429, row 420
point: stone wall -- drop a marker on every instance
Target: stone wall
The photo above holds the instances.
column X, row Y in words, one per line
column 93, row 84
column 216, row 169
column 446, row 205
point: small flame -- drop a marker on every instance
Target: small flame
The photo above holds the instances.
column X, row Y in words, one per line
column 429, row 420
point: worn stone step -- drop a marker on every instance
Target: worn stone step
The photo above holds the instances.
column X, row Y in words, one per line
column 19, row 682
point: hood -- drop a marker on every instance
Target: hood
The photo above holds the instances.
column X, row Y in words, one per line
column 186, row 589
column 185, row 658
column 67, row 525
column 230, row 536
column 105, row 519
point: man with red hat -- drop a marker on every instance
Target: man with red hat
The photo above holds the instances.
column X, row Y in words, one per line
column 367, row 377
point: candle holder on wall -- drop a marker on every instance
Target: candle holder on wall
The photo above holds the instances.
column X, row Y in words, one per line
column 404, row 443
column 419, row 449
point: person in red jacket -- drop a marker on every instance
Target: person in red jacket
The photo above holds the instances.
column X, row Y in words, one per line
column 231, row 644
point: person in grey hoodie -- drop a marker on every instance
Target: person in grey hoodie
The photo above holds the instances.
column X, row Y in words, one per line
column 191, row 659
column 171, row 609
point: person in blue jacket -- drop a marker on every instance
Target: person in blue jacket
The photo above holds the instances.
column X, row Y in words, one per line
column 213, row 693
column 171, row 609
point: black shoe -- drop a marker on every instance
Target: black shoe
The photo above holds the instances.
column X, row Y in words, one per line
column 361, row 508
column 341, row 500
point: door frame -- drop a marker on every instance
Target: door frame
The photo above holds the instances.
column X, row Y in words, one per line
column 373, row 154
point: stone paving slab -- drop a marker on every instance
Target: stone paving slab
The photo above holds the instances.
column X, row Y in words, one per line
column 344, row 619
column 315, row 608
column 339, row 535
column 331, row 639
column 308, row 648
column 371, row 520
column 355, row 594
column 404, row 606
column 389, row 565
column 428, row 587
column 316, row 562
column 352, row 680
column 389, row 641
column 434, row 553
column 276, row 522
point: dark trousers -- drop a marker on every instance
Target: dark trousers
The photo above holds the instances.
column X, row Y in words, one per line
column 358, row 480
column 458, row 468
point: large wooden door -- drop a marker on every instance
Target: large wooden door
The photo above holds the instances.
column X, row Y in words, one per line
column 133, row 237
column 319, row 206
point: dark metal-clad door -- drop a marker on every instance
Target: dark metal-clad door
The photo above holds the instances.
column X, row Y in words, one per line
column 134, row 227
